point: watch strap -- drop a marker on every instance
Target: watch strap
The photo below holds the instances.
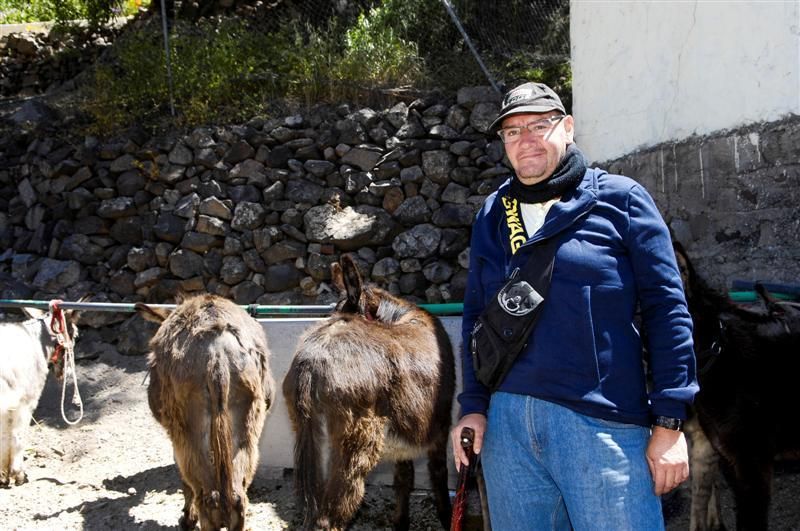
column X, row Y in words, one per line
column 670, row 423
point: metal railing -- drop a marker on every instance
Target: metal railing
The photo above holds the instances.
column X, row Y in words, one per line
column 255, row 310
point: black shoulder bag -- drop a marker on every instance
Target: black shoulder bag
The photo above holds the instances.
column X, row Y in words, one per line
column 506, row 324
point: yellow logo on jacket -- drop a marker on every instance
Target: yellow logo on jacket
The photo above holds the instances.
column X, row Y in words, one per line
column 516, row 229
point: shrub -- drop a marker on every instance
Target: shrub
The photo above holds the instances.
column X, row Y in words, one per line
column 214, row 66
column 556, row 74
column 20, row 11
column 375, row 53
column 63, row 11
column 224, row 69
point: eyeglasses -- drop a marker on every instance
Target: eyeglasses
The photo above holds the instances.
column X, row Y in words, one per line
column 539, row 128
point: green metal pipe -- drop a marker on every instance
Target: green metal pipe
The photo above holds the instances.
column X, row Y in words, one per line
column 445, row 308
column 752, row 296
column 261, row 310
column 256, row 310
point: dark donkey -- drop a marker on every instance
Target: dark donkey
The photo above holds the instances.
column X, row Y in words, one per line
column 380, row 374
column 748, row 362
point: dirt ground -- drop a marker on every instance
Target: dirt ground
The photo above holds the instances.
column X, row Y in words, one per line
column 114, row 470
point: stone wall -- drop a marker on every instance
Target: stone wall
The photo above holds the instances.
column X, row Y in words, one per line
column 731, row 198
column 32, row 63
column 256, row 212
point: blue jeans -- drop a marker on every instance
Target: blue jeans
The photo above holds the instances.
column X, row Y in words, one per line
column 548, row 467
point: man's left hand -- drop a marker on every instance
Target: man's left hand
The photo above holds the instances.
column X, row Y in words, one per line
column 668, row 459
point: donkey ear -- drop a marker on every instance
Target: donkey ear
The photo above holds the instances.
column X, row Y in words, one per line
column 336, row 277
column 678, row 247
column 154, row 315
column 352, row 279
column 69, row 315
column 33, row 313
column 682, row 255
column 181, row 296
column 763, row 292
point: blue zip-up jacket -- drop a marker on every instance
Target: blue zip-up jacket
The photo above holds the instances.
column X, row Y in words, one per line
column 615, row 253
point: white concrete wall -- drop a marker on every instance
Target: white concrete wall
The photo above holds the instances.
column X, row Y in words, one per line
column 648, row 72
column 277, row 441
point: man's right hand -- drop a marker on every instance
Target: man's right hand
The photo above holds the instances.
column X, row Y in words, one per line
column 477, row 422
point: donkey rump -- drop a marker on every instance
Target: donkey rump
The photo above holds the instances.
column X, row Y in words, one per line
column 379, row 374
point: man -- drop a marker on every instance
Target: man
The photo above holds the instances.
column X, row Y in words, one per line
column 571, row 438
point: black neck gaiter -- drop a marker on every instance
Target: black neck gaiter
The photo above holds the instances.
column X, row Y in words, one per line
column 566, row 177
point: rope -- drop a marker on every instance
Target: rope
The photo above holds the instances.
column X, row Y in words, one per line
column 64, row 343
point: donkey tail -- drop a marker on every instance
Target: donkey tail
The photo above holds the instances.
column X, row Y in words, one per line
column 299, row 393
column 221, row 437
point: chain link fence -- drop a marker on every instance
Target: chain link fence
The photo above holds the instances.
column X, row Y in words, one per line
column 514, row 39
column 510, row 40
column 513, row 35
column 181, row 57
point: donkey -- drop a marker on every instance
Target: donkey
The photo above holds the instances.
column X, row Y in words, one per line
column 210, row 387
column 380, row 375
column 29, row 348
column 748, row 361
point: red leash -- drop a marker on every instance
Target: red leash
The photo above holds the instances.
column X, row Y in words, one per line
column 460, row 502
column 58, row 325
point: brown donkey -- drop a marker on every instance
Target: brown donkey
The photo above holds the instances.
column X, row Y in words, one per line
column 380, row 375
column 210, row 387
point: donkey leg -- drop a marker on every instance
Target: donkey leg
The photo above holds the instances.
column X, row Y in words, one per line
column 19, row 432
column 188, row 519
column 354, row 453
column 753, row 497
column 403, row 485
column 714, row 520
column 751, row 480
column 437, row 471
column 705, row 512
column 238, row 512
column 5, row 446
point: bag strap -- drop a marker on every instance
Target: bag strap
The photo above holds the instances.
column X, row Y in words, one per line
column 505, row 322
column 538, row 270
column 517, row 234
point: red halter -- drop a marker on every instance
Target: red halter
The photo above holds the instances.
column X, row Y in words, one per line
column 58, row 325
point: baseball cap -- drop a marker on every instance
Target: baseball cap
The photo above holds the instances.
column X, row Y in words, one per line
column 528, row 97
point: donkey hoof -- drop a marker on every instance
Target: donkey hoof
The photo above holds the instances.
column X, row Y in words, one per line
column 187, row 523
column 20, row 477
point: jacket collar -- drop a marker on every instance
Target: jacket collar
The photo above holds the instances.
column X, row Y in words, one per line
column 564, row 212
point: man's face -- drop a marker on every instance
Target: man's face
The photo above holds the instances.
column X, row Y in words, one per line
column 533, row 157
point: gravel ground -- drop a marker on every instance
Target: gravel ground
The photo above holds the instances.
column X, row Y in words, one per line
column 114, row 470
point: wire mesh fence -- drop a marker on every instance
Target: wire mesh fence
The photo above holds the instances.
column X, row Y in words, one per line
column 225, row 60
column 514, row 39
column 508, row 33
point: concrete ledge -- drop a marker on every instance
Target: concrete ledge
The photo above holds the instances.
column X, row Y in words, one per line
column 25, row 27
column 277, row 441
column 45, row 27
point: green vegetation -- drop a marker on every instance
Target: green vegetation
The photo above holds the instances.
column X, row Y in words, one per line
column 225, row 70
column 230, row 69
column 95, row 11
column 556, row 74
column 213, row 69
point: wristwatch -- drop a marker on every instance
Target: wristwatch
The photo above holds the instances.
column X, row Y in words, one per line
column 669, row 423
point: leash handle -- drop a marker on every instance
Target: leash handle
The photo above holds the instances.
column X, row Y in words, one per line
column 467, row 440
